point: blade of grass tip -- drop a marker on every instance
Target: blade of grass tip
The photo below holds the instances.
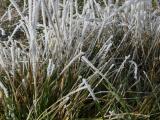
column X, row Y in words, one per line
column 121, row 67
column 2, row 31
column 3, row 16
column 15, row 30
column 135, row 69
column 9, row 13
column 93, row 96
column 25, row 29
column 103, row 50
column 50, row 68
column 89, row 89
column 70, row 63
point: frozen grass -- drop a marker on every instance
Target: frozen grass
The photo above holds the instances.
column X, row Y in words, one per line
column 80, row 59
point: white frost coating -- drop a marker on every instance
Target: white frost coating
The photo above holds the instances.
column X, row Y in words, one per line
column 89, row 89
column 122, row 65
column 2, row 63
column 50, row 68
column 135, row 69
column 2, row 31
column 64, row 101
column 24, row 83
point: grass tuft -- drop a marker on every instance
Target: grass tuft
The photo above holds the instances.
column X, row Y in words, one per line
column 75, row 60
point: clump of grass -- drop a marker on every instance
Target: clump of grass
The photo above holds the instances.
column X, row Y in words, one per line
column 96, row 60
